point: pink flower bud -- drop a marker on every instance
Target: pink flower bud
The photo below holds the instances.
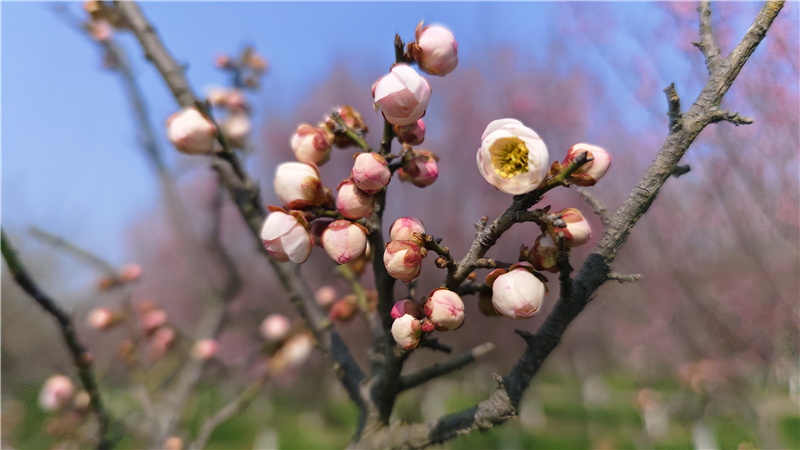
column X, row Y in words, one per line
column 101, row 30
column 151, row 320
column 236, row 129
column 352, row 119
column 217, row 96
column 298, row 186
column 406, row 331
column 101, row 318
column 344, row 309
column 421, row 170
column 130, row 272
column 56, row 393
column 436, row 50
column 411, row 134
column 296, row 350
column 371, row 172
column 352, row 202
column 403, row 229
column 311, row 145
column 223, row 61
column 512, row 157
column 577, row 232
column 286, row 236
column 204, row 349
column 427, row 325
column 406, row 306
column 274, row 327
column 445, row 309
column 516, row 293
column 325, row 296
column 173, row 443
column 258, row 63
column 543, row 254
column 403, row 259
column 402, row 96
column 162, row 341
column 344, row 240
column 591, row 172
column 236, row 101
column 191, row 132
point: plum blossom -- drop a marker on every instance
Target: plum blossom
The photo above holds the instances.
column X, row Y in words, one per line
column 516, row 293
column 445, row 309
column 344, row 240
column 512, row 157
column 370, row 172
column 286, row 236
column 591, row 172
column 436, row 50
column 312, row 145
column 403, row 259
column 402, row 96
column 406, row 331
column 191, row 132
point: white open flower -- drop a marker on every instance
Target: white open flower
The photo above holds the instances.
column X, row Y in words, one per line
column 512, row 157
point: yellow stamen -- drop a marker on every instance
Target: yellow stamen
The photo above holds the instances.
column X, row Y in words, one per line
column 509, row 157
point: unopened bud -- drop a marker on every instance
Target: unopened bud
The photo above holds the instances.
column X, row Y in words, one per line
column 193, row 133
column 590, row 173
column 406, row 331
column 404, row 228
column 274, row 327
column 371, row 172
column 427, row 325
column 436, row 50
column 402, row 95
column 344, row 240
column 163, row 339
column 445, row 309
column 441, row 263
column 411, row 134
column 82, row 400
column 102, row 318
column 403, row 259
column 404, row 307
column 152, row 320
column 223, row 62
column 422, row 170
column 325, row 296
column 56, row 392
column 544, row 254
column 173, row 443
column 298, row 186
column 311, row 145
column 352, row 202
column 576, row 230
column 130, row 272
column 344, row 309
column 236, row 129
column 204, row 349
column 353, row 120
column 516, row 293
column 471, row 277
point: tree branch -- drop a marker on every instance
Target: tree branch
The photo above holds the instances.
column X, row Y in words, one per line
column 503, row 402
column 597, row 207
column 80, row 357
column 706, row 44
column 624, row 278
column 727, row 116
column 415, row 379
column 245, row 195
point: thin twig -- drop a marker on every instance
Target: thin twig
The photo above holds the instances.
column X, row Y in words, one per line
column 727, row 116
column 624, row 278
column 78, row 252
column 415, row 379
column 706, row 44
column 80, row 357
column 597, row 207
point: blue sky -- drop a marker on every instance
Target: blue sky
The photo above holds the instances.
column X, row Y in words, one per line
column 70, row 160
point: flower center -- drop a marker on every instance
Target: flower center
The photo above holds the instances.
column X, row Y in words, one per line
column 509, row 157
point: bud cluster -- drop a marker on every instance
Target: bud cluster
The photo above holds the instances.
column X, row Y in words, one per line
column 442, row 311
column 404, row 253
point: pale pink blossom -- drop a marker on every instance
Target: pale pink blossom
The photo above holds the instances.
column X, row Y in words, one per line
column 577, row 232
column 512, row 157
column 275, row 327
column 56, row 392
column 371, row 172
column 402, row 96
column 286, row 236
column 411, row 134
column 422, row 170
column 298, row 186
column 352, row 202
column 296, row 350
column 236, row 128
column 436, row 50
column 445, row 309
column 204, row 349
column 101, row 30
column 163, row 339
column 311, row 145
column 101, row 318
column 344, row 240
column 130, row 272
column 403, row 259
column 173, row 443
column 344, row 309
column 516, row 293
column 325, row 296
column 591, row 172
column 406, row 331
column 404, row 307
column 403, row 229
column 191, row 132
column 151, row 320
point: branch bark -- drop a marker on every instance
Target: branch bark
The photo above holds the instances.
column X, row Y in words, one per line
column 80, row 357
column 503, row 402
column 415, row 379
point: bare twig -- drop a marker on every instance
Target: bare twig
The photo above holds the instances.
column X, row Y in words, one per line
column 598, row 207
column 415, row 379
column 79, row 253
column 680, row 171
column 624, row 278
column 489, row 263
column 80, row 357
column 727, row 116
column 674, row 110
column 706, row 43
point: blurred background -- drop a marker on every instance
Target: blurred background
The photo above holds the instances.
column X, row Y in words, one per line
column 702, row 352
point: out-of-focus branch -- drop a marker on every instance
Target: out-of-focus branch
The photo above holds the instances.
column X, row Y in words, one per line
column 245, row 195
column 415, row 379
column 80, row 357
column 79, row 253
column 237, row 405
column 503, row 402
